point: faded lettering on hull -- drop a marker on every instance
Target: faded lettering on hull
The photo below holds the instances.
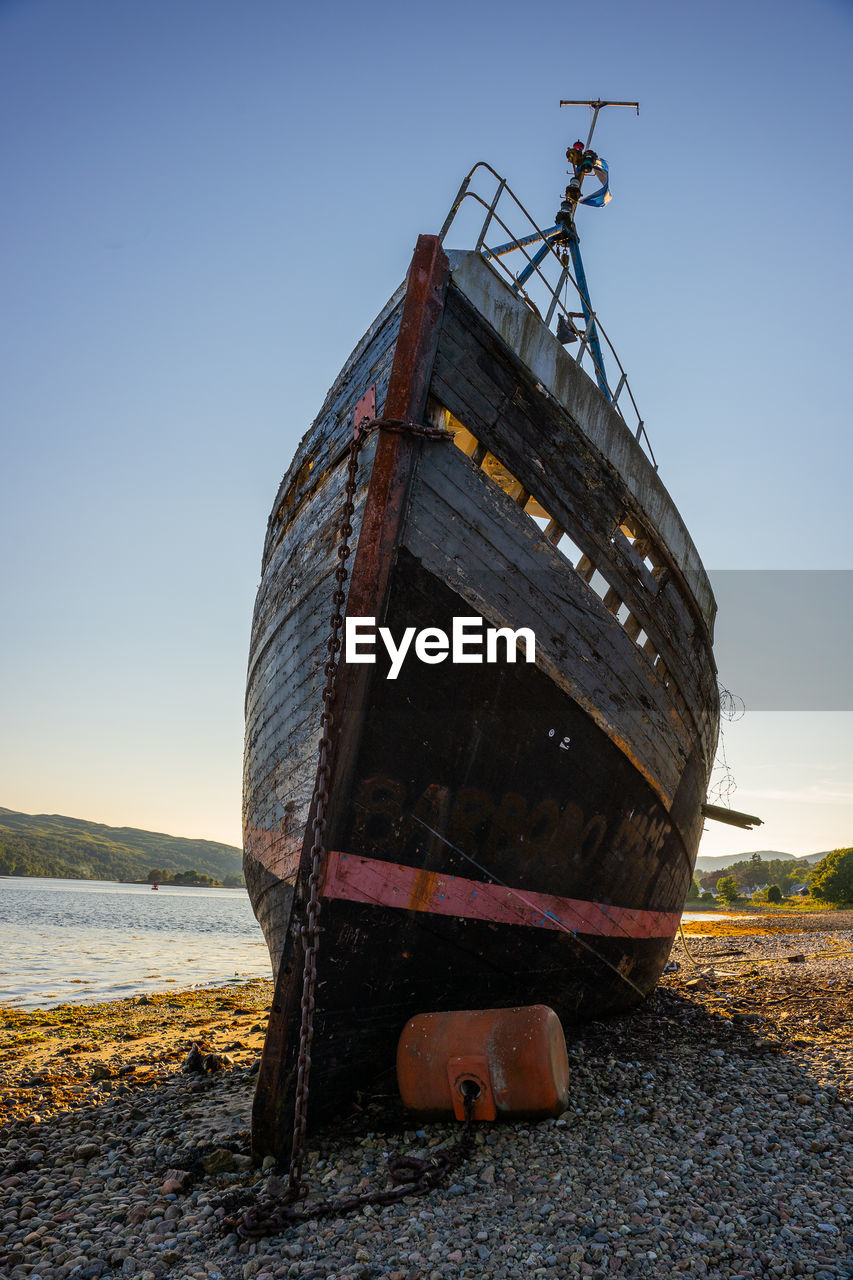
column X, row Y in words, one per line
column 471, row 820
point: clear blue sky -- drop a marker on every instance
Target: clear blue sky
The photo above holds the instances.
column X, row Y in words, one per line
column 204, row 204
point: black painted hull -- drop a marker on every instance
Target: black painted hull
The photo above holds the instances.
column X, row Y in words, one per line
column 461, row 772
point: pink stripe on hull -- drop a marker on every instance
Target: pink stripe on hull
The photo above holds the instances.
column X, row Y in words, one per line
column 391, row 884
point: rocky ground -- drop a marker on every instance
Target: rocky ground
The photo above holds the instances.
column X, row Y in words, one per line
column 709, row 1134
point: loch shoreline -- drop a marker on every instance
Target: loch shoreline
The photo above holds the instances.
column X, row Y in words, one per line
column 708, row 1134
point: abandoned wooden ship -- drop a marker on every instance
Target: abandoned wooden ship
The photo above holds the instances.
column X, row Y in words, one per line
column 497, row 833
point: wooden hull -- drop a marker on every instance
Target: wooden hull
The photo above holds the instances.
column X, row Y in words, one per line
column 499, row 834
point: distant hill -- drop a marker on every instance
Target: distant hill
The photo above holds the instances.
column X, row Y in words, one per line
column 704, row 864
column 72, row 848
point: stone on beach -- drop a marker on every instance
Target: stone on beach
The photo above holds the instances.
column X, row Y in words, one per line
column 176, row 1180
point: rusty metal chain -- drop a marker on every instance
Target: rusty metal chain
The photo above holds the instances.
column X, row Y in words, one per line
column 415, row 1176
column 310, row 931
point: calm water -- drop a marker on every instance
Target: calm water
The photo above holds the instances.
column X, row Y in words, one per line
column 64, row 940
column 96, row 940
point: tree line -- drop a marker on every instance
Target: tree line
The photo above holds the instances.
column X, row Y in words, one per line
column 830, row 880
column 161, row 875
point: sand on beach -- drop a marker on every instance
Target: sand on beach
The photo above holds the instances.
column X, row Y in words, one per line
column 769, row 921
column 77, row 1054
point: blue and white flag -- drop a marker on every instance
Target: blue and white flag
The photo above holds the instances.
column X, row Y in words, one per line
column 602, row 196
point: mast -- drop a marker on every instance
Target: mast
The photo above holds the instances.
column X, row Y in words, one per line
column 584, row 162
column 563, row 234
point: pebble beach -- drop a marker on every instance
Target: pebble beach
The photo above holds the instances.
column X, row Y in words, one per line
column 708, row 1134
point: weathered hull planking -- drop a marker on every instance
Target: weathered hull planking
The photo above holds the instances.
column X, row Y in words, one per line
column 499, row 834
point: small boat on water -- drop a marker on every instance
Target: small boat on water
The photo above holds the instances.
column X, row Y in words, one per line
column 510, row 807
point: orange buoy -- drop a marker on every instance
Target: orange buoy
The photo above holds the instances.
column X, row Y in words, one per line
column 512, row 1061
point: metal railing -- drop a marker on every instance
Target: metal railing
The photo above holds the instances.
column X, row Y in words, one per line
column 535, row 282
